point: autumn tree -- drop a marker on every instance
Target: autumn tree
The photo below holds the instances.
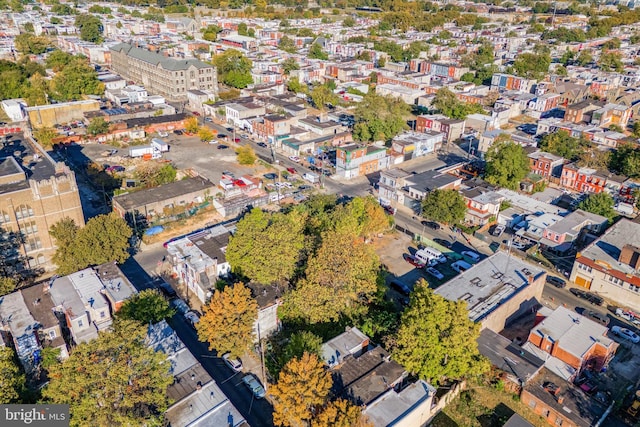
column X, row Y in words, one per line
column 447, row 337
column 303, row 387
column 227, row 321
column 149, row 306
column 266, row 247
column 45, row 136
column 246, row 155
column 339, row 280
column 11, row 378
column 341, row 413
column 205, row 134
column 446, row 206
column 191, row 125
column 105, row 238
column 152, row 174
column 7, row 285
column 115, row 379
column 599, row 204
column 507, row 165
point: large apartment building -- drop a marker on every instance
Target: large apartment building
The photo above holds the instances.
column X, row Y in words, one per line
column 35, row 193
column 169, row 77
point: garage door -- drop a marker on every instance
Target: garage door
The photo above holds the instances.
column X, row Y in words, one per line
column 585, row 283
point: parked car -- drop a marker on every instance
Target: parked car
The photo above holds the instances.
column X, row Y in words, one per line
column 165, row 288
column 626, row 333
column 598, row 317
column 400, row 287
column 222, row 147
column 163, row 134
column 435, row 273
column 270, row 175
column 254, row 385
column 443, row 242
column 460, row 266
column 235, row 364
column 192, row 317
column 180, row 306
column 498, row 230
column 471, row 255
column 292, row 170
column 178, row 132
column 518, row 245
column 413, row 261
column 229, row 174
column 229, row 129
column 592, row 298
column 294, row 158
column 208, row 119
column 195, row 113
column 431, row 224
column 625, row 315
column 213, row 142
column 556, row 281
column 262, row 144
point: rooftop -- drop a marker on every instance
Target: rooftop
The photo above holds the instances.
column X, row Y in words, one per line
column 529, row 204
column 575, row 221
column 24, row 156
column 116, row 285
column 139, row 199
column 393, row 405
column 154, row 58
column 349, row 342
column 430, row 180
column 202, row 249
column 488, row 284
column 606, row 250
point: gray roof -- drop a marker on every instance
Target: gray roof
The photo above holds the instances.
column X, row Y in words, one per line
column 138, row 199
column 517, row 421
column 575, row 221
column 348, row 342
column 171, row 64
column 489, row 283
column 26, row 157
column 430, row 180
column 574, row 333
column 394, row 406
column 116, row 286
column 508, row 356
column 607, row 249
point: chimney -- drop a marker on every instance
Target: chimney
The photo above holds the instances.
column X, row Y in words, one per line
column 560, row 399
column 630, row 255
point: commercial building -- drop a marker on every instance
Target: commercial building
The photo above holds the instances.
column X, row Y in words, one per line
column 609, row 266
column 355, row 160
column 166, row 76
column 35, row 193
column 497, row 290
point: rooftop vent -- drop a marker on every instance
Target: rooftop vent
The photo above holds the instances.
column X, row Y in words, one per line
column 526, row 271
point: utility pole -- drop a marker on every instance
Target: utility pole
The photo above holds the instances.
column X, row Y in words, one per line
column 264, row 378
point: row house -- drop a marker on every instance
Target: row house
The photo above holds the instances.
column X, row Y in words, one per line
column 410, row 145
column 611, row 114
column 504, row 82
column 582, row 180
column 571, row 230
column 308, row 74
column 320, row 127
column 413, row 82
column 356, row 160
column 546, row 165
column 609, row 139
column 482, row 207
column 582, row 111
column 238, row 113
column 273, row 126
column 451, row 128
column 245, row 185
column 544, row 103
column 239, row 42
column 447, row 71
column 266, row 77
column 406, row 94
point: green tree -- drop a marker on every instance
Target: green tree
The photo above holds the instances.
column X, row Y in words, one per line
column 234, row 68
column 348, row 22
column 242, row 29
column 584, row 58
column 448, row 338
column 316, row 52
column 152, row 174
column 322, row 95
column 28, row 43
column 58, row 59
column 90, row 28
column 45, row 136
column 626, row 160
column 227, row 320
column 63, row 9
column 11, row 378
column 599, row 204
column 532, row 65
column 507, row 165
column 36, row 92
column 564, row 145
column 246, row 155
column 448, row 104
column 294, row 86
column 287, row 44
column 105, row 238
column 303, row 386
column 340, row 280
column 267, row 247
column 611, row 61
column 97, row 126
column 211, row 33
column 115, row 379
column 149, row 306
column 289, row 65
column 379, row 118
column 76, row 80
column 446, row 206
column 7, row 285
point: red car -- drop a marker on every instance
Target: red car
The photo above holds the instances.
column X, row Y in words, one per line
column 411, row 260
column 195, row 113
column 237, row 140
column 292, row 170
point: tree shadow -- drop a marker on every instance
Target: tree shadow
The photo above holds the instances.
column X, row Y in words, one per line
column 498, row 417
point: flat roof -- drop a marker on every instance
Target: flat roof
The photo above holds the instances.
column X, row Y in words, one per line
column 141, row 198
column 146, row 121
column 393, row 406
column 36, row 164
column 607, row 248
column 116, row 285
column 486, row 285
column 430, row 180
column 508, row 356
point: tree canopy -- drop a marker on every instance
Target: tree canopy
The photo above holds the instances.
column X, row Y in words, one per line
column 234, row 69
column 27, row 43
column 114, row 379
column 105, row 238
column 267, row 247
column 90, row 28
column 246, row 155
column 446, row 206
column 152, row 174
column 323, row 95
column 379, row 118
column 448, row 104
column 149, row 306
column 564, row 145
column 75, row 80
column 599, row 204
column 626, row 160
column 447, row 337
column 303, row 387
column 532, row 65
column 316, row 52
column 507, row 165
column 11, row 377
column 227, row 320
column 341, row 413
column 98, row 126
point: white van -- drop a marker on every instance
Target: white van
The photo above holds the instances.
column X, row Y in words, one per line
column 430, row 255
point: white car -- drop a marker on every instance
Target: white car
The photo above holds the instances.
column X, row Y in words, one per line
column 499, row 230
column 254, row 385
column 625, row 333
column 192, row 318
column 294, row 159
column 435, row 273
column 163, row 134
column 471, row 255
column 625, row 315
column 213, row 141
column 234, row 363
column 180, row 306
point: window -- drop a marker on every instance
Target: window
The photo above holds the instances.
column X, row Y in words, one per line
column 558, row 421
column 80, row 324
column 52, row 334
column 103, row 315
column 24, row 211
column 545, row 413
column 4, row 217
column 532, row 404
